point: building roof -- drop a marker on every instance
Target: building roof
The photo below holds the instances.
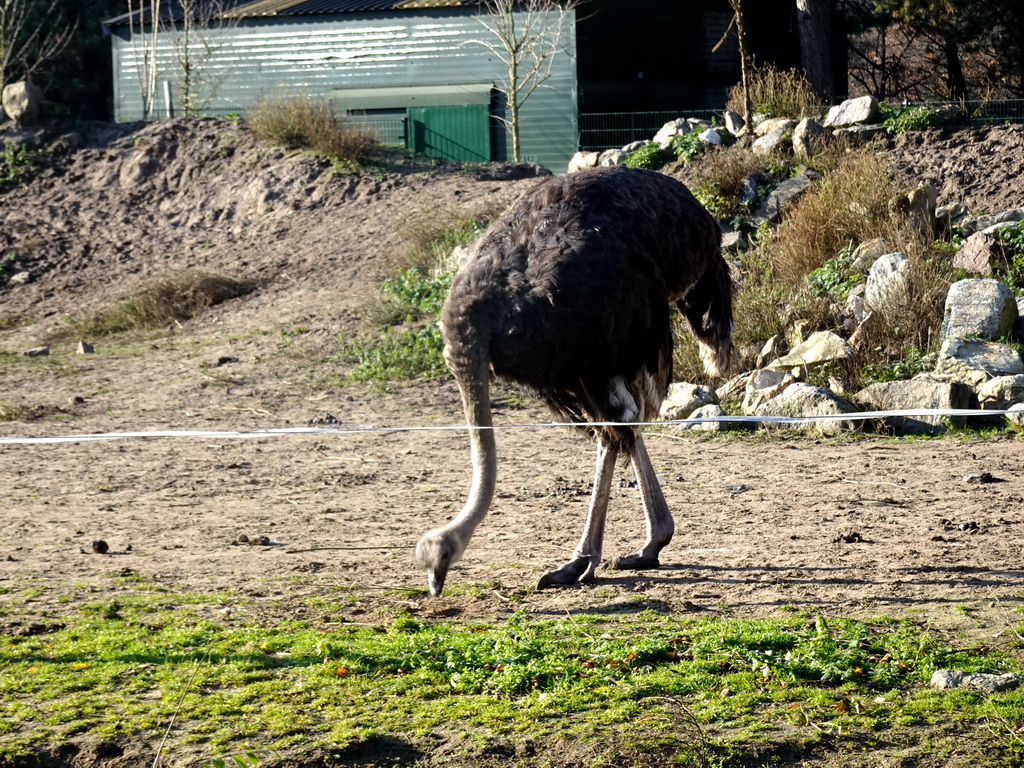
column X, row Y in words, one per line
column 171, row 10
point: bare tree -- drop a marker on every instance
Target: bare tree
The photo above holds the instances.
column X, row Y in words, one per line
column 527, row 37
column 144, row 22
column 195, row 41
column 738, row 22
column 28, row 38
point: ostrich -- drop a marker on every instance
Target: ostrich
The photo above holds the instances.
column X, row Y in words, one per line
column 569, row 294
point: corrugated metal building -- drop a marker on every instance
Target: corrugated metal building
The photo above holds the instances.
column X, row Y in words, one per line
column 410, row 66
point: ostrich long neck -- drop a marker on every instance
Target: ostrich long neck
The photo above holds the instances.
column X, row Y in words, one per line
column 476, row 403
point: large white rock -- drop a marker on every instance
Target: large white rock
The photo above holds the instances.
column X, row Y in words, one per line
column 975, row 361
column 671, row 129
column 583, row 160
column 913, row 394
column 802, row 399
column 1000, row 393
column 852, row 112
column 982, row 307
column 888, row 282
column 808, row 137
column 820, row 347
column 21, row 102
column 683, row 399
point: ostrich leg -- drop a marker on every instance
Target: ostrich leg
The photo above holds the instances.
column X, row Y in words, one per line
column 587, row 556
column 659, row 520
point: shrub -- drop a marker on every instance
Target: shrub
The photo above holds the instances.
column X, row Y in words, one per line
column 687, row 147
column 650, row 156
column 167, row 301
column 777, row 93
column 900, row 119
column 1009, row 267
column 415, row 293
column 833, row 278
column 397, row 355
column 297, row 121
column 17, row 162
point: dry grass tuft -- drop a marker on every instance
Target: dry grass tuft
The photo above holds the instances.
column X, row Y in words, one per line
column 168, row 301
column 850, row 204
column 778, row 93
column 297, row 121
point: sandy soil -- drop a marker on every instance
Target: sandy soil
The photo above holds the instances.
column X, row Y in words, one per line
column 851, row 526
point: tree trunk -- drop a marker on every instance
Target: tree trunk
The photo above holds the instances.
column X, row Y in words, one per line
column 954, row 70
column 815, row 27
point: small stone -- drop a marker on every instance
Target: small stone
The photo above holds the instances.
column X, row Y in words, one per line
column 100, row 547
column 37, row 352
column 85, row 348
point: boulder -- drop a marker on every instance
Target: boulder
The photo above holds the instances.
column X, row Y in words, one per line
column 612, row 157
column 583, row 160
column 976, row 254
column 709, row 411
column 801, row 399
column 912, row 394
column 920, row 205
column 975, row 681
column 771, row 350
column 973, row 224
column 734, row 123
column 683, row 399
column 865, row 254
column 776, row 140
column 950, row 215
column 773, row 124
column 1015, row 417
column 1000, row 393
column 21, row 101
column 975, row 361
column 783, row 196
column 710, row 136
column 663, row 138
column 820, row 347
column 888, row 282
column 734, row 388
column 765, row 384
column 859, row 134
column 983, row 308
column 809, row 137
column 859, row 111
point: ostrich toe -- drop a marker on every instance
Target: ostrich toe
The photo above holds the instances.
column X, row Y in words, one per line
column 579, row 570
column 638, row 561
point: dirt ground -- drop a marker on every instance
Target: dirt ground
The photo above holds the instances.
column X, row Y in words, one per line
column 847, row 526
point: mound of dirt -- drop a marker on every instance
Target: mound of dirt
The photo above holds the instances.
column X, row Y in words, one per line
column 979, row 167
column 205, row 194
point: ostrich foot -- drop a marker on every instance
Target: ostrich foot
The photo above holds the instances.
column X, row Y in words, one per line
column 579, row 570
column 635, row 562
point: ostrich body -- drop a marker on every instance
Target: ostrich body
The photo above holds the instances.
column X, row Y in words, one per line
column 569, row 294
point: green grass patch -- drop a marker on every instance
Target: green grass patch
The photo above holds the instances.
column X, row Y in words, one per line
column 397, row 355
column 696, row 691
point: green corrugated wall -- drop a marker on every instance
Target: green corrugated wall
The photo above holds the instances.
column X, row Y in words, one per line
column 329, row 53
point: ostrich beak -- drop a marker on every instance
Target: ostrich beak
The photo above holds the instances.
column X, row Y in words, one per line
column 435, row 579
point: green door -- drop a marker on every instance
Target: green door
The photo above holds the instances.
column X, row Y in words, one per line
column 454, row 133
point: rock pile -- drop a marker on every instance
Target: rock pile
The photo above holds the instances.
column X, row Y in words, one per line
column 974, row 367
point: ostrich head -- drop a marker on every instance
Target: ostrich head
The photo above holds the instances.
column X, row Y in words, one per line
column 436, row 552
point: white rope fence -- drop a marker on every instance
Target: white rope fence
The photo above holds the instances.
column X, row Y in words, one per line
column 369, row 429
